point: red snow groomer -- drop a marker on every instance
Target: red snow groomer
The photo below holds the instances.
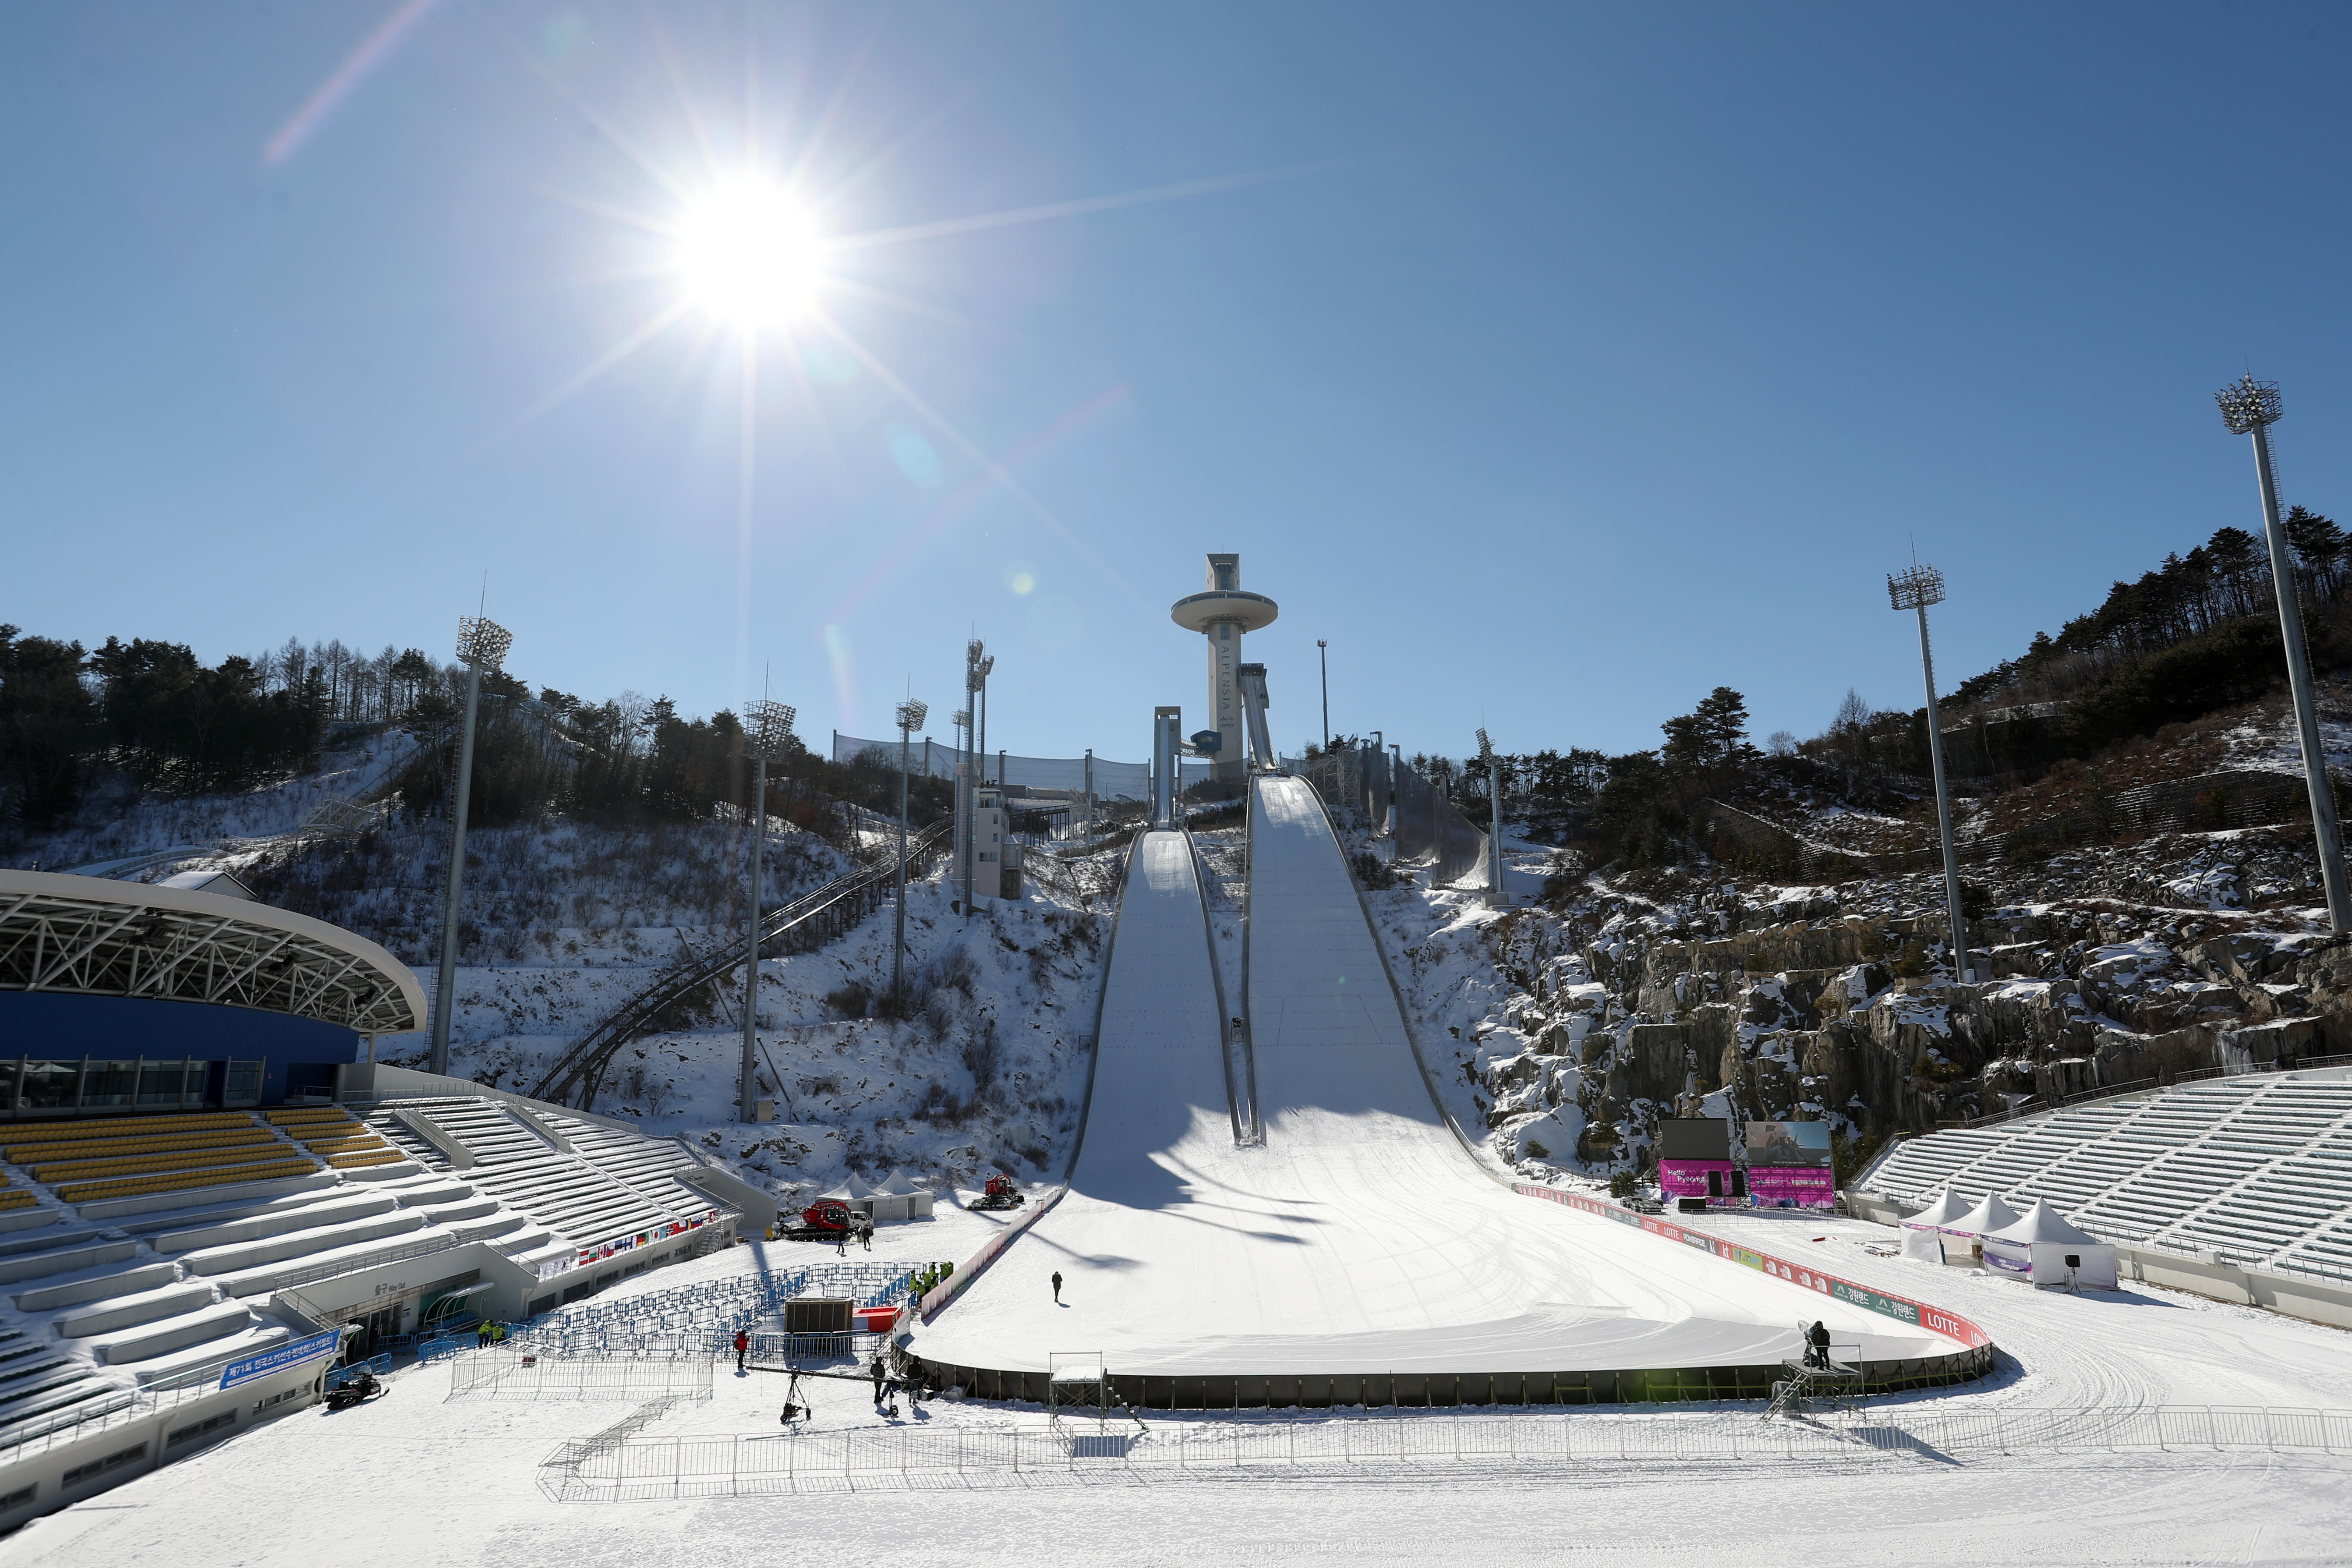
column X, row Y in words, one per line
column 1001, row 1194
column 827, row 1219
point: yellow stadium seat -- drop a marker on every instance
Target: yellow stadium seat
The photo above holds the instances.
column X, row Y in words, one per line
column 160, row 1143
column 312, row 1113
column 52, row 1172
column 16, row 1198
column 93, row 1192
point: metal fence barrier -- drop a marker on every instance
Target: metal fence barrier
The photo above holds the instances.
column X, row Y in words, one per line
column 597, row 1470
column 504, row 1372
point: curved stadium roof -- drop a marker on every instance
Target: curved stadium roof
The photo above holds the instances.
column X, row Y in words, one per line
column 92, row 937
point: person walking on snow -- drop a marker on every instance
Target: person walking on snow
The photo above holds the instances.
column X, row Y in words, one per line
column 878, row 1381
column 1057, row 1287
column 742, row 1348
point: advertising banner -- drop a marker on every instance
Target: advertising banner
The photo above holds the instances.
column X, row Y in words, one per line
column 1951, row 1325
column 1791, row 1187
column 279, row 1360
column 1711, row 1179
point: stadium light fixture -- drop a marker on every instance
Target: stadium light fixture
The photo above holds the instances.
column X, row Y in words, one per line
column 766, row 727
column 911, row 715
column 1915, row 588
column 482, row 644
column 2249, row 407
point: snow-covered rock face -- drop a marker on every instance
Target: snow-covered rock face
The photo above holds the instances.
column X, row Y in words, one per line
column 1654, row 995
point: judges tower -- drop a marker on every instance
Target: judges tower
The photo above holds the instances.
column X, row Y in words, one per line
column 1221, row 615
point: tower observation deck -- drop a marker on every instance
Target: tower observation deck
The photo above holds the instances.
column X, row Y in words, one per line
column 1221, row 615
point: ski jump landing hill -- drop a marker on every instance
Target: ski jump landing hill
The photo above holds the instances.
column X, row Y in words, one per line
column 1356, row 1254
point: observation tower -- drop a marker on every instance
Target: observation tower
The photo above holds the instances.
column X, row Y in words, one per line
column 1221, row 615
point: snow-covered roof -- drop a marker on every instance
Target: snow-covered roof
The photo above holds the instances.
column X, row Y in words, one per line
column 219, row 883
column 897, row 1184
column 2045, row 1224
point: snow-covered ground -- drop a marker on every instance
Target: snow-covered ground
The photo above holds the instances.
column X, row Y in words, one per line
column 421, row 1480
column 1358, row 1237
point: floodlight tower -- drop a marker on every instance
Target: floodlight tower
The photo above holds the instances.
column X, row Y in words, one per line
column 1323, row 658
column 1915, row 588
column 1221, row 615
column 481, row 645
column 2249, row 407
column 771, row 723
column 1495, row 897
column 977, row 663
column 911, row 715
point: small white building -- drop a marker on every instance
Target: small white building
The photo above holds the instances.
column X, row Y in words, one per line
column 996, row 863
column 899, row 1198
column 2045, row 1248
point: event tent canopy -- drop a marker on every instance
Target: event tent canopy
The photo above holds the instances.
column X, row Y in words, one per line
column 2045, row 1248
column 1922, row 1233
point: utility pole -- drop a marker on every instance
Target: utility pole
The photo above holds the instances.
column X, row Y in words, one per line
column 1323, row 658
column 482, row 644
column 2249, row 407
column 763, row 737
column 1915, row 588
column 911, row 715
column 1497, row 898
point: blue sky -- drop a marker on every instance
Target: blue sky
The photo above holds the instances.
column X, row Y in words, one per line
column 1558, row 363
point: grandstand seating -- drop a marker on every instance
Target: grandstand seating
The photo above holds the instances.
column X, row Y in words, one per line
column 608, row 1187
column 2257, row 1169
column 99, row 1308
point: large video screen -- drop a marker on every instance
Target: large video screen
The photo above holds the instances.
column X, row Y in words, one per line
column 1695, row 1138
column 1788, row 1143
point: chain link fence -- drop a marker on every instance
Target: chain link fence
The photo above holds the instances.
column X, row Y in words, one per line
column 871, row 1459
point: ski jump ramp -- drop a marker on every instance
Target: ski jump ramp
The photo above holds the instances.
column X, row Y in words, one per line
column 1359, row 1255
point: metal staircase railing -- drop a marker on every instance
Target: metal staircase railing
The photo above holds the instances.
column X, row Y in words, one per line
column 799, row 926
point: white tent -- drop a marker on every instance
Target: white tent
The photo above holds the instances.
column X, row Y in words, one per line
column 2044, row 1249
column 1922, row 1233
column 853, row 1191
column 1964, row 1234
column 899, row 1198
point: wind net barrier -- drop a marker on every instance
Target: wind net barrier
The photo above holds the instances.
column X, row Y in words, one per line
column 936, row 759
column 1363, row 782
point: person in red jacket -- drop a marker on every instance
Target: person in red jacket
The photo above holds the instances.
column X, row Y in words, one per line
column 742, row 1348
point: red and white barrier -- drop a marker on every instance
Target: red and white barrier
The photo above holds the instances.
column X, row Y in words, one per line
column 1919, row 1314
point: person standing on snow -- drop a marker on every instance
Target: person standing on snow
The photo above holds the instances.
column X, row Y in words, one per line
column 742, row 1348
column 878, row 1381
column 1057, row 1287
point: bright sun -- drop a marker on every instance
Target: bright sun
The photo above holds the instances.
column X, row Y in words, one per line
column 749, row 254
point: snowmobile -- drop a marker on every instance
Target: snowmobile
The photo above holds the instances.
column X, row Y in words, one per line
column 357, row 1389
column 828, row 1219
column 1001, row 1194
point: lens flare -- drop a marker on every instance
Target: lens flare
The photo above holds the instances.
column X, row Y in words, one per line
column 749, row 254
